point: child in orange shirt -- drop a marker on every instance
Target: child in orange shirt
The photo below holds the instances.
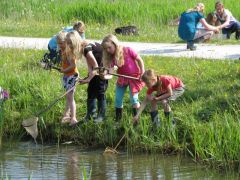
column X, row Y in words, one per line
column 70, row 71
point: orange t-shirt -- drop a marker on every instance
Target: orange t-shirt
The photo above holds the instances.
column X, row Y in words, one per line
column 66, row 64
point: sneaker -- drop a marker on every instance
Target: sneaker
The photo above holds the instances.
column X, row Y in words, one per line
column 192, row 48
column 190, row 45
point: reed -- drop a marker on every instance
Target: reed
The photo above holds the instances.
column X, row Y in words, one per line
column 1, row 123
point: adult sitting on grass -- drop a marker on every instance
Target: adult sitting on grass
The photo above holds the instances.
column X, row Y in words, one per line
column 229, row 24
column 167, row 87
column 188, row 31
column 53, row 46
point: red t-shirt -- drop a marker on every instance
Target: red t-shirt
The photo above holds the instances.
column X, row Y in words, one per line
column 166, row 81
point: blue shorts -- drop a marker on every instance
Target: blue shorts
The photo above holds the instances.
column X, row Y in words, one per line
column 120, row 90
column 69, row 81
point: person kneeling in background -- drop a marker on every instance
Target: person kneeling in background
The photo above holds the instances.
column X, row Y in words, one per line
column 229, row 24
column 188, row 30
column 53, row 47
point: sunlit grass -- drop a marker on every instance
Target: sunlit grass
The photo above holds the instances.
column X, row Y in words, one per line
column 45, row 18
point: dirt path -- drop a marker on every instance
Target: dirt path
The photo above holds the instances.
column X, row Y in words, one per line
column 159, row 49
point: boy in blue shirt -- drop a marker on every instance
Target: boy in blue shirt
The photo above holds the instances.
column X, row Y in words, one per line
column 52, row 44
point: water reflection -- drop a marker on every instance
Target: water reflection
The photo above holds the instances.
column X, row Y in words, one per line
column 70, row 162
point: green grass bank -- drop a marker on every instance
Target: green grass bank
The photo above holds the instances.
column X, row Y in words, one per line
column 43, row 18
column 207, row 114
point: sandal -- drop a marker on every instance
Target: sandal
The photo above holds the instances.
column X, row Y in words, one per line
column 73, row 123
column 65, row 120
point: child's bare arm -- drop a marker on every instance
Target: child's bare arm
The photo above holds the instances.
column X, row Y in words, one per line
column 208, row 26
column 165, row 95
column 226, row 23
column 92, row 64
column 142, row 107
column 140, row 64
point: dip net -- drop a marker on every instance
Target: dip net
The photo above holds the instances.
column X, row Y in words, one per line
column 31, row 127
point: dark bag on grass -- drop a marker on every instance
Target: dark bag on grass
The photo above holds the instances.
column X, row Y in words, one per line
column 127, row 30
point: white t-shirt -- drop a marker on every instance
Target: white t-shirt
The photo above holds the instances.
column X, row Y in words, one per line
column 223, row 18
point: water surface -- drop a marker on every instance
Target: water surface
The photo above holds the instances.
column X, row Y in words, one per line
column 70, row 162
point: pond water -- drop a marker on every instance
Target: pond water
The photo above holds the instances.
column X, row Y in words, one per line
column 71, row 162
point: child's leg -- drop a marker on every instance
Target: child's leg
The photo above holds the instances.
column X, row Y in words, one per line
column 167, row 111
column 91, row 103
column 154, row 113
column 52, row 54
column 135, row 102
column 66, row 114
column 202, row 35
column 67, row 110
column 165, row 105
column 120, row 90
column 101, row 107
column 69, row 82
column 166, row 108
column 226, row 32
column 72, row 106
column 154, row 106
column 91, row 109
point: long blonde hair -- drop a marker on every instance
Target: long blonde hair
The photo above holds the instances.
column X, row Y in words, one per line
column 199, row 8
column 61, row 37
column 118, row 55
column 73, row 45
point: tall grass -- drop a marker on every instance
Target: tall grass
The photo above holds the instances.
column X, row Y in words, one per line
column 44, row 18
column 1, row 122
column 105, row 11
column 207, row 114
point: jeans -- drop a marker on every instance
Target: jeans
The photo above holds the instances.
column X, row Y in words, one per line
column 120, row 90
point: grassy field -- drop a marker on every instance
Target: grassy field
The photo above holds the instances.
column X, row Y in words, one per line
column 43, row 18
column 207, row 115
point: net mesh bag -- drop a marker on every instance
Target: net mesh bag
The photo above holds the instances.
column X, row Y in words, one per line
column 31, row 126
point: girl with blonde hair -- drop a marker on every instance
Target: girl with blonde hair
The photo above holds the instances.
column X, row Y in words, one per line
column 199, row 8
column 129, row 63
column 70, row 71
